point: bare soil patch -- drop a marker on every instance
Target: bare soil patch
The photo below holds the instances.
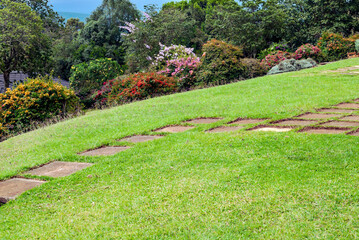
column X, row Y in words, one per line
column 318, row 116
column 247, row 121
column 203, row 120
column 340, row 124
column 10, row 189
column 323, row 130
column 351, row 118
column 348, row 105
column 225, row 129
column 334, row 110
column 104, row 151
column 58, row 169
column 174, row 129
column 140, row 138
column 295, row 122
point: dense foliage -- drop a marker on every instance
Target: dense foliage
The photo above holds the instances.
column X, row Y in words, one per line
column 335, row 46
column 86, row 78
column 221, row 63
column 34, row 101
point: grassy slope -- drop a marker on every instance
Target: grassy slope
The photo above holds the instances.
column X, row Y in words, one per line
column 195, row 184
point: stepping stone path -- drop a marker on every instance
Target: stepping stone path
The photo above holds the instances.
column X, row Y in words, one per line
column 174, row 129
column 203, row 120
column 225, row 129
column 296, row 122
column 319, row 123
column 325, row 130
column 104, row 151
column 140, row 138
column 12, row 188
column 58, row 169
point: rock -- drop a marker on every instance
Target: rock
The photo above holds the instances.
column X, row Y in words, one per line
column 290, row 65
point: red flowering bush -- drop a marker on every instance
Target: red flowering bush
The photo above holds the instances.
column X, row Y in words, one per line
column 135, row 87
column 272, row 60
column 335, row 46
column 309, row 51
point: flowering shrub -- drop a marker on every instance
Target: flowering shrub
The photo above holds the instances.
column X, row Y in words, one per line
column 135, row 87
column 308, row 51
column 272, row 60
column 173, row 52
column 253, row 68
column 33, row 101
column 87, row 78
column 273, row 49
column 220, row 63
column 184, row 70
column 335, row 46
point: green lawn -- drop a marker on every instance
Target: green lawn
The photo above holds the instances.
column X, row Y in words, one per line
column 196, row 185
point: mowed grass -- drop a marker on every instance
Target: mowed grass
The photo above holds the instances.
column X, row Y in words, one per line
column 195, row 184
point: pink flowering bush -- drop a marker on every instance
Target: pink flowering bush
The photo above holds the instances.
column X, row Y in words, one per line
column 308, row 51
column 173, row 52
column 272, row 60
column 183, row 69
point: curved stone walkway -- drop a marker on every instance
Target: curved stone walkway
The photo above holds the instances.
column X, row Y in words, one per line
column 342, row 118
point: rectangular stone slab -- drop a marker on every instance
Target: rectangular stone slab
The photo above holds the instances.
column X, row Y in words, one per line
column 204, row 120
column 174, row 129
column 225, row 129
column 140, row 138
column 340, row 124
column 12, row 188
column 351, row 118
column 58, row 169
column 318, row 116
column 271, row 129
column 104, row 151
column 348, row 105
column 355, row 133
column 247, row 121
column 325, row 130
column 335, row 110
column 296, row 122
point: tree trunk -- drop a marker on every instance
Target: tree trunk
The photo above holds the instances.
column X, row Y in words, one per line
column 7, row 79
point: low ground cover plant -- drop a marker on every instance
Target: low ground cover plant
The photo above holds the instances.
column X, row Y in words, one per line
column 272, row 60
column 35, row 100
column 88, row 77
column 135, row 87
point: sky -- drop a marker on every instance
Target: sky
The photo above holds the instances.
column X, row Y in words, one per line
column 87, row 6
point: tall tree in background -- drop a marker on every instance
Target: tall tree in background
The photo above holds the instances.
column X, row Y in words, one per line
column 101, row 36
column 23, row 45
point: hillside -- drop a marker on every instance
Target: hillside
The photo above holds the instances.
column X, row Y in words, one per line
column 195, row 184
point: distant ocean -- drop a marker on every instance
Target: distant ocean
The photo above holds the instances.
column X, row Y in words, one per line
column 67, row 15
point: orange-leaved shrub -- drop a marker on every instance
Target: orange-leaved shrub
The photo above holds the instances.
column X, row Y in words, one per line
column 135, row 87
column 34, row 101
column 221, row 63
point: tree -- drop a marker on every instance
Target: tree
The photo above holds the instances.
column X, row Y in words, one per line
column 23, row 45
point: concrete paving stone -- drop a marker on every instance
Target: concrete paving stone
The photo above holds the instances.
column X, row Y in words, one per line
column 225, row 129
column 174, row 129
column 340, row 124
column 335, row 110
column 140, row 138
column 351, row 118
column 104, row 151
column 10, row 189
column 58, row 169
column 318, row 116
column 296, row 122
column 271, row 129
column 247, row 121
column 325, row 130
column 348, row 105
